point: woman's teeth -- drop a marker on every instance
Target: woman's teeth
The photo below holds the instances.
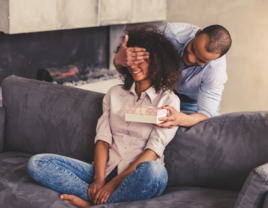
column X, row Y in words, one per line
column 135, row 72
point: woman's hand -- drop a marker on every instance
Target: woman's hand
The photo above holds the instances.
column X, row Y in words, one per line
column 94, row 187
column 103, row 194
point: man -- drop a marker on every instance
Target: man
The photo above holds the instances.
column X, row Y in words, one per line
column 203, row 70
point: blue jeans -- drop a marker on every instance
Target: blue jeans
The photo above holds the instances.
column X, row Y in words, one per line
column 70, row 176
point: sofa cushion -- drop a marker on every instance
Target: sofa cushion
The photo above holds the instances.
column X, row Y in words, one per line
column 219, row 152
column 185, row 197
column 255, row 189
column 17, row 189
column 43, row 117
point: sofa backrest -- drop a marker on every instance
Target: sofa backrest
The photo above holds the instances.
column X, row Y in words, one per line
column 48, row 118
column 219, row 152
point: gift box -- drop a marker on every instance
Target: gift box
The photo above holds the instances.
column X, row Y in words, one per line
column 145, row 114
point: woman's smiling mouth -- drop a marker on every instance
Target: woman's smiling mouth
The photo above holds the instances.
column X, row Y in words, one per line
column 135, row 72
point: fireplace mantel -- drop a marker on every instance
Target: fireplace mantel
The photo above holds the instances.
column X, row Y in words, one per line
column 24, row 16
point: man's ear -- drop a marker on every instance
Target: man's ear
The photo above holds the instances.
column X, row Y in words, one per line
column 198, row 32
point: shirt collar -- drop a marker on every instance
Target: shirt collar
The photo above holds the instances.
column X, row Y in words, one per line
column 150, row 92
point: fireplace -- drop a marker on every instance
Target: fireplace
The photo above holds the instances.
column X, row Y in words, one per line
column 41, row 36
column 25, row 54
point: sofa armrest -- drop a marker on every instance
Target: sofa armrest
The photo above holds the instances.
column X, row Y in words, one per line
column 265, row 205
column 2, row 127
column 254, row 190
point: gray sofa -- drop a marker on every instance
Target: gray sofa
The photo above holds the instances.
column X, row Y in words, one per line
column 219, row 163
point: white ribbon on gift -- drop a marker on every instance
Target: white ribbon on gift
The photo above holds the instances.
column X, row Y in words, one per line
column 142, row 109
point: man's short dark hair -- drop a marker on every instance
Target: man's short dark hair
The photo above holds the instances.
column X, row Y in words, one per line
column 219, row 39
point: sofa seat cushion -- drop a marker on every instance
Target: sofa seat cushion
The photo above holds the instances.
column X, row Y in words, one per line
column 17, row 189
column 184, row 197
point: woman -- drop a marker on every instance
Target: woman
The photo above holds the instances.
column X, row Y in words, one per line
column 128, row 160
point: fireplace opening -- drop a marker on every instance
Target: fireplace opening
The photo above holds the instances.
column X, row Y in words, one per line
column 71, row 76
column 57, row 56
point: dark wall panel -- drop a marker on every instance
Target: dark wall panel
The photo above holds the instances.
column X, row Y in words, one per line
column 24, row 54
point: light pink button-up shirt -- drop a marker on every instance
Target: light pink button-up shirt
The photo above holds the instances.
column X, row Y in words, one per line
column 128, row 140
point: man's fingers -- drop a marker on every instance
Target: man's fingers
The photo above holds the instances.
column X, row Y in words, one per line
column 166, row 118
column 136, row 49
column 134, row 62
column 124, row 44
column 138, row 58
column 142, row 54
column 171, row 109
column 169, row 124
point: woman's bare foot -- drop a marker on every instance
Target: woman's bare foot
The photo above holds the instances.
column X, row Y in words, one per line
column 75, row 201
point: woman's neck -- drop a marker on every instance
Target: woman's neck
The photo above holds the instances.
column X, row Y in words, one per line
column 141, row 86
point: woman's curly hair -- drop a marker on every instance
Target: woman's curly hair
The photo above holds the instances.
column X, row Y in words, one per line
column 163, row 69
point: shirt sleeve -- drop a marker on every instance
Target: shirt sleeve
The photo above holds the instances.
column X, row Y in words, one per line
column 210, row 91
column 103, row 130
column 160, row 137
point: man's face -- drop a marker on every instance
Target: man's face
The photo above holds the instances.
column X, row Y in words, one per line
column 195, row 53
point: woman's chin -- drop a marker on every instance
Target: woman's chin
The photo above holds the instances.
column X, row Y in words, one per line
column 136, row 78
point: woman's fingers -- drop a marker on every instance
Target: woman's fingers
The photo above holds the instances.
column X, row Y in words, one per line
column 88, row 193
column 100, row 199
column 96, row 197
column 106, row 197
column 92, row 194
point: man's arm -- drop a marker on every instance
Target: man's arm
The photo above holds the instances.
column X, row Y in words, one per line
column 129, row 56
column 180, row 119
